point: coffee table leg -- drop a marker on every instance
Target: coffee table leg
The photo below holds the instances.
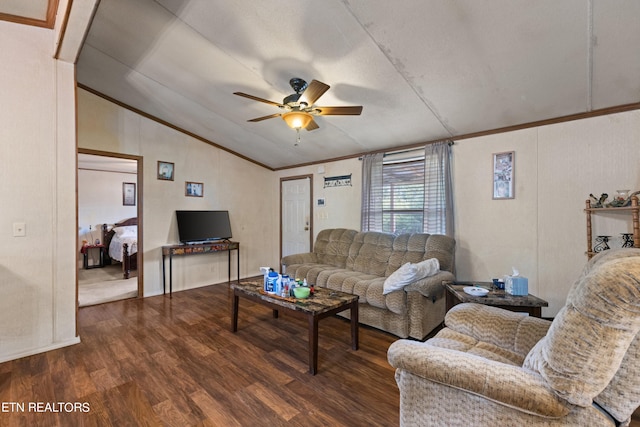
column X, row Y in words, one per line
column 234, row 312
column 354, row 325
column 313, row 344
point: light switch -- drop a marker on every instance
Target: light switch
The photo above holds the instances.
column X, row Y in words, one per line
column 19, row 229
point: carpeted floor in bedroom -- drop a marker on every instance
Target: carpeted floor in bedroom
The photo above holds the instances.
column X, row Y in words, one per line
column 100, row 285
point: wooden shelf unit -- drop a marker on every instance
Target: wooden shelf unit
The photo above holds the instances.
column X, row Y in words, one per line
column 634, row 210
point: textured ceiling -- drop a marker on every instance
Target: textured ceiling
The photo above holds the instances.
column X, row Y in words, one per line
column 422, row 70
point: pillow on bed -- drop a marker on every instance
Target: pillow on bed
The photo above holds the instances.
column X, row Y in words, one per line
column 126, row 231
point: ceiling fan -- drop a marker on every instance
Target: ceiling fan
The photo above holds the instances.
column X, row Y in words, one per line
column 299, row 107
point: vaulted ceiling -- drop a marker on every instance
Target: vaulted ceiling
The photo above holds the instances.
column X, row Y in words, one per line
column 423, row 70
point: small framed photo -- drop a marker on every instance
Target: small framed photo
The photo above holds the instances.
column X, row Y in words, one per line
column 128, row 194
column 194, row 189
column 503, row 175
column 165, row 171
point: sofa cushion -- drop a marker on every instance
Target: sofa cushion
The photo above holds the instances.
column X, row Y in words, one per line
column 332, row 246
column 441, row 247
column 302, row 271
column 395, row 302
column 370, row 253
column 407, row 248
column 453, row 340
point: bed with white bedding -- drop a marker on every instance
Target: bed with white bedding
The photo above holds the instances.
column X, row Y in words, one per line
column 121, row 241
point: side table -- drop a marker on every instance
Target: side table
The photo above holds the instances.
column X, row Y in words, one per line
column 85, row 256
column 498, row 298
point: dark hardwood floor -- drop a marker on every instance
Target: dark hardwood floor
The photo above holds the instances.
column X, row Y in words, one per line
column 174, row 362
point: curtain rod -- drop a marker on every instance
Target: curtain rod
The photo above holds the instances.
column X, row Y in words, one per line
column 408, row 150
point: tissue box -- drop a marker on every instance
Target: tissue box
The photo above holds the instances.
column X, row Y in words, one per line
column 516, row 285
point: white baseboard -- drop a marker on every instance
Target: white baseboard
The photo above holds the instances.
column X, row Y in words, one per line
column 54, row 346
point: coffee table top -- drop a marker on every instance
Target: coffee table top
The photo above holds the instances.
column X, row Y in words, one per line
column 323, row 299
column 494, row 297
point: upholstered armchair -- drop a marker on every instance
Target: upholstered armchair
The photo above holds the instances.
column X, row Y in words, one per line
column 491, row 367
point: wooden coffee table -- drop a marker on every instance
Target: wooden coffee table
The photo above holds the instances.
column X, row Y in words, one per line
column 324, row 303
column 496, row 297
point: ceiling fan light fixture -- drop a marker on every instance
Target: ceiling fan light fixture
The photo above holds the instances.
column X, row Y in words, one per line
column 297, row 119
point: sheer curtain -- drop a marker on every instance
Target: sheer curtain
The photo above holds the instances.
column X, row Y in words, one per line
column 371, row 216
column 438, row 189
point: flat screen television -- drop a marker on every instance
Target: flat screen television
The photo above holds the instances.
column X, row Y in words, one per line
column 203, row 226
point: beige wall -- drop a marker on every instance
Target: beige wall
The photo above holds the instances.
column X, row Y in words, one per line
column 37, row 146
column 542, row 231
column 342, row 204
column 249, row 192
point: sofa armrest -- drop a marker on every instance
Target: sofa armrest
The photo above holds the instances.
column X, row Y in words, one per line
column 509, row 385
column 431, row 287
column 299, row 258
column 506, row 329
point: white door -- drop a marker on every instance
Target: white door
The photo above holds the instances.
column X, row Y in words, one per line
column 296, row 215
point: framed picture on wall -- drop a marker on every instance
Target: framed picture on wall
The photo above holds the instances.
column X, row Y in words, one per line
column 128, row 194
column 194, row 189
column 165, row 171
column 503, row 175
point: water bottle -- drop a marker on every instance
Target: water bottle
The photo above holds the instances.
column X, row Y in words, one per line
column 272, row 282
column 292, row 285
column 284, row 285
column 265, row 273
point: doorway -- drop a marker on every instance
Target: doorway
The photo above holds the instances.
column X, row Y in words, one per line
column 109, row 188
column 296, row 215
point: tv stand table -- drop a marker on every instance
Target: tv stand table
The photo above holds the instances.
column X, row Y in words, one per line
column 197, row 249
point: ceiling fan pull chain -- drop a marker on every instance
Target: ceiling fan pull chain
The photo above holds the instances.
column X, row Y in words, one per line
column 297, row 137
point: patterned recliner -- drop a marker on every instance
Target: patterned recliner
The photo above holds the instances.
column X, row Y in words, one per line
column 359, row 262
column 493, row 367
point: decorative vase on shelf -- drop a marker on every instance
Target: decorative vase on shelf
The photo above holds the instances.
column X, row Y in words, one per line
column 602, row 244
column 627, row 240
column 621, row 199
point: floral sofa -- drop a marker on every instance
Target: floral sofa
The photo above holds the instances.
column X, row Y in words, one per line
column 398, row 278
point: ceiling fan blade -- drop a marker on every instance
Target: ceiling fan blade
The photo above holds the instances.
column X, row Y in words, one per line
column 259, row 119
column 312, row 125
column 255, row 98
column 339, row 111
column 314, row 91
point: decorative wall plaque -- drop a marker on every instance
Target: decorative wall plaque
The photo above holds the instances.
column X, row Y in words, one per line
column 337, row 181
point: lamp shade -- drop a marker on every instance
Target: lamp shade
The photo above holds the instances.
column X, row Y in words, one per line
column 297, row 119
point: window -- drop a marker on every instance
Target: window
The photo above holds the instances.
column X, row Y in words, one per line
column 403, row 196
column 408, row 191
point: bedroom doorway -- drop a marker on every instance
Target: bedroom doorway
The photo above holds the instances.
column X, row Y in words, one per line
column 109, row 189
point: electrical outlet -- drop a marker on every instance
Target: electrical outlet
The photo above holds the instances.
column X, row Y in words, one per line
column 19, row 229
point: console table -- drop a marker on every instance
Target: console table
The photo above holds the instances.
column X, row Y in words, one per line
column 196, row 249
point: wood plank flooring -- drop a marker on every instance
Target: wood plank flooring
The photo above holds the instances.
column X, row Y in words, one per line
column 174, row 362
